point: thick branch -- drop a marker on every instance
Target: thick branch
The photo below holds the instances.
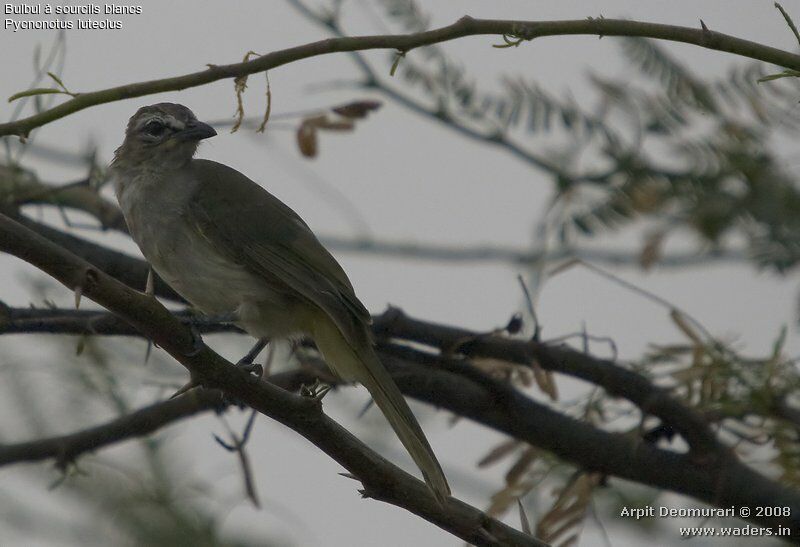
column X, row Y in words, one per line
column 66, row 448
column 458, row 387
column 24, row 188
column 615, row 379
column 466, row 26
column 468, row 392
column 381, row 479
column 127, row 269
column 90, row 322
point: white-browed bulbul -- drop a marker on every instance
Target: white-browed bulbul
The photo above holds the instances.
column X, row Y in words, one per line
column 231, row 248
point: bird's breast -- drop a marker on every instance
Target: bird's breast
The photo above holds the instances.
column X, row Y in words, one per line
column 181, row 256
column 210, row 280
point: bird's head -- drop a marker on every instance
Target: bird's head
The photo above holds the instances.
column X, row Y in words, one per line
column 160, row 137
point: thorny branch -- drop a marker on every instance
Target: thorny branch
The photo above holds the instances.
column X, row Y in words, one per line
column 381, row 479
column 708, row 472
column 456, row 386
column 466, row 26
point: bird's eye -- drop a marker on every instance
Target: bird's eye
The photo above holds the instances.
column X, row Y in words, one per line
column 154, row 128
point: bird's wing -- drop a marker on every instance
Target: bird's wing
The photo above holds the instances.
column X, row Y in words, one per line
column 254, row 228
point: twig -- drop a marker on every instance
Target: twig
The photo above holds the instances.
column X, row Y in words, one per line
column 466, row 26
column 788, row 21
column 237, row 445
column 615, row 380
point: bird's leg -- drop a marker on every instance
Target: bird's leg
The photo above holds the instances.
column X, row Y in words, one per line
column 246, row 363
column 196, row 321
column 254, row 370
column 197, row 347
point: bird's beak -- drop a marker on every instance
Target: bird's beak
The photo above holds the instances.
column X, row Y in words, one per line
column 196, row 131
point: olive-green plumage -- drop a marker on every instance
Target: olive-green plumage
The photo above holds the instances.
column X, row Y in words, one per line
column 228, row 246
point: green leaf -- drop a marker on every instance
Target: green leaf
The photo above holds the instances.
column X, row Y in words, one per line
column 784, row 74
column 57, row 80
column 32, row 92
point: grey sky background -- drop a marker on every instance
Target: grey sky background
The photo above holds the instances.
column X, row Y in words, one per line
column 410, row 180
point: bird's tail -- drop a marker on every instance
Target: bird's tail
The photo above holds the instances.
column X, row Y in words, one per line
column 362, row 365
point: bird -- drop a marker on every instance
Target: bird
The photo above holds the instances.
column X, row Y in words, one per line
column 230, row 248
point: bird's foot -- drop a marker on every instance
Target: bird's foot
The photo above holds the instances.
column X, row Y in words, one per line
column 316, row 391
column 246, row 363
column 254, row 371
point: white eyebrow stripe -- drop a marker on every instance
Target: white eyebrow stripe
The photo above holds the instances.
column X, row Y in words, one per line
column 167, row 120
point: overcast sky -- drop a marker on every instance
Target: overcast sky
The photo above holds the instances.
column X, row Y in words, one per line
column 410, row 180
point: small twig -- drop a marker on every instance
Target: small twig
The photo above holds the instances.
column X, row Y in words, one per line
column 537, row 331
column 237, row 444
column 466, row 26
column 636, row 289
column 585, row 336
column 788, row 21
column 400, row 55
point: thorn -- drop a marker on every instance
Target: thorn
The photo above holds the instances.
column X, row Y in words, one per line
column 149, row 285
column 89, row 277
column 396, row 63
column 523, row 519
column 348, row 476
column 703, row 25
column 148, row 351
column 78, row 294
column 186, row 387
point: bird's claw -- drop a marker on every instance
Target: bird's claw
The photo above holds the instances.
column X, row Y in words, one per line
column 254, row 371
column 316, row 391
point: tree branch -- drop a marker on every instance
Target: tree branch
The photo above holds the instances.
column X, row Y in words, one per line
column 460, row 388
column 723, row 481
column 65, row 449
column 127, row 269
column 466, row 26
column 24, row 188
column 381, row 479
column 523, row 257
column 133, row 269
column 616, row 380
column 91, row 322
